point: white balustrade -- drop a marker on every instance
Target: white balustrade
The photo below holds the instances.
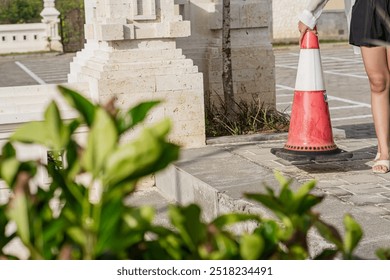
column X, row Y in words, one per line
column 27, row 37
column 32, row 37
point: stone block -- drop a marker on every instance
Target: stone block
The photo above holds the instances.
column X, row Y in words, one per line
column 142, row 55
column 247, row 37
column 190, row 141
column 171, row 181
column 128, row 31
column 161, row 70
column 179, row 82
column 213, row 52
column 252, row 57
column 245, row 75
column 127, row 86
column 179, row 29
column 146, row 32
column 89, row 31
column 110, row 32
column 188, row 128
column 255, row 14
column 244, row 14
column 215, row 76
column 155, row 44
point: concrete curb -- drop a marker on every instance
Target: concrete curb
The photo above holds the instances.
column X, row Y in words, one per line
column 239, row 139
column 179, row 183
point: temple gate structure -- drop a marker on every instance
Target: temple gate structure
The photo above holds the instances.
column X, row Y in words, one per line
column 131, row 55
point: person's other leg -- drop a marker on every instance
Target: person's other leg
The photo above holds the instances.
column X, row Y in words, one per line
column 376, row 63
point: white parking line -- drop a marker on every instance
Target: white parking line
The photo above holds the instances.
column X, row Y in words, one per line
column 345, row 107
column 349, row 101
column 352, row 118
column 30, row 73
column 285, row 95
column 278, row 86
column 356, row 59
column 346, row 75
column 326, row 71
column 286, row 66
column 354, row 104
column 323, row 57
column 330, row 97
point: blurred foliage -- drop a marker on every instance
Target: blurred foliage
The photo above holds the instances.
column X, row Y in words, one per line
column 72, row 18
column 89, row 182
column 20, row 11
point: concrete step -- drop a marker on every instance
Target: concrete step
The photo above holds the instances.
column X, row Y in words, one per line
column 217, row 177
column 15, row 118
column 39, row 90
column 125, row 66
column 151, row 197
column 20, row 108
column 28, row 103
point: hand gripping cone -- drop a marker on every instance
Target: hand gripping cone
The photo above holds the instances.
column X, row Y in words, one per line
column 310, row 134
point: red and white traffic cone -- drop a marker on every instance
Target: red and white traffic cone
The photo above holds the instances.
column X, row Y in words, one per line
column 310, row 132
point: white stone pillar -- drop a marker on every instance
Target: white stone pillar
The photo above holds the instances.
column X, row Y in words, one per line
column 131, row 55
column 50, row 16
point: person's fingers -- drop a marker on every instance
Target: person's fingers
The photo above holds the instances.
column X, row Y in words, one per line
column 302, row 30
column 302, row 27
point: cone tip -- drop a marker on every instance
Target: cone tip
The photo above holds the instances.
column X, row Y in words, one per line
column 310, row 41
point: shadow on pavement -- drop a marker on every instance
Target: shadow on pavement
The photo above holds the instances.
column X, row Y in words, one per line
column 360, row 161
column 359, row 131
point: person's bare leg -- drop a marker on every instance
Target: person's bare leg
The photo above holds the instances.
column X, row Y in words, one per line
column 376, row 64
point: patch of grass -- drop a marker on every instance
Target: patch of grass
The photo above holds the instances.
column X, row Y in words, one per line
column 247, row 118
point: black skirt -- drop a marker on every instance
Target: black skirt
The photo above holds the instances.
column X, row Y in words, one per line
column 370, row 23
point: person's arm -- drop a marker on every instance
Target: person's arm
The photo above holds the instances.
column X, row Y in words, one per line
column 309, row 16
column 312, row 12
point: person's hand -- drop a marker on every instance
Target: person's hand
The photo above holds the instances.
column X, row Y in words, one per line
column 303, row 28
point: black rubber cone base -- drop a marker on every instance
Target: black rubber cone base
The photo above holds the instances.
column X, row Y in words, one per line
column 298, row 156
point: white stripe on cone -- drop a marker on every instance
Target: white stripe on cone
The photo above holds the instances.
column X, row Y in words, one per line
column 309, row 74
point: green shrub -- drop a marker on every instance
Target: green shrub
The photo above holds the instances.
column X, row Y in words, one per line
column 88, row 224
column 79, row 228
column 20, row 11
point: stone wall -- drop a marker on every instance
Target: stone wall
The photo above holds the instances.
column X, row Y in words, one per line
column 28, row 37
column 252, row 54
column 332, row 24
